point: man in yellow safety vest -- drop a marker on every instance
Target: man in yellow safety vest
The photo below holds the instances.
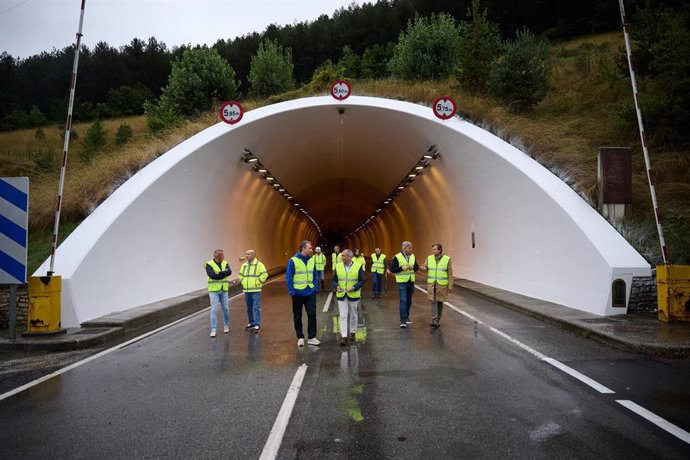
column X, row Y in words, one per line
column 348, row 280
column 378, row 267
column 218, row 271
column 303, row 284
column 252, row 276
column 439, row 281
column 320, row 261
column 403, row 266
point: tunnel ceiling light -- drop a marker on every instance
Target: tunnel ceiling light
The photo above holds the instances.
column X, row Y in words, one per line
column 431, row 153
column 248, row 156
column 257, row 166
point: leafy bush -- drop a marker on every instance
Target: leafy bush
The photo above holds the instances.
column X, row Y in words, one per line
column 479, row 45
column 325, row 75
column 124, row 134
column 271, row 70
column 94, row 142
column 197, row 81
column 44, row 160
column 160, row 118
column 374, row 62
column 519, row 76
column 428, row 50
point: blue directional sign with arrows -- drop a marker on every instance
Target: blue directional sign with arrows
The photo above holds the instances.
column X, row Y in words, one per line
column 14, row 225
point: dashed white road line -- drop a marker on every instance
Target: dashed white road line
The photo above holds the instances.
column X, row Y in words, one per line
column 327, row 305
column 275, row 438
column 639, row 410
column 655, row 419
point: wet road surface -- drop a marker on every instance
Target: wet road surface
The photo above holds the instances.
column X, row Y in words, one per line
column 461, row 391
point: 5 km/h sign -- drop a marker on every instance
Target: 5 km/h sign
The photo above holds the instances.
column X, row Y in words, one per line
column 14, row 222
column 231, row 112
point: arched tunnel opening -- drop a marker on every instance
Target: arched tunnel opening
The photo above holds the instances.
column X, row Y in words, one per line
column 504, row 219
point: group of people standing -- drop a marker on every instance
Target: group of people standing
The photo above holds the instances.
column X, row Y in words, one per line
column 305, row 272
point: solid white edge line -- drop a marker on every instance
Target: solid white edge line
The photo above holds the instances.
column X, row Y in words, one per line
column 33, row 383
column 656, row 420
column 328, row 302
column 557, row 364
column 275, row 438
column 581, row 377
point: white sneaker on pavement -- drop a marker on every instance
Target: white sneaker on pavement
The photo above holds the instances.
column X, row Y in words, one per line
column 300, row 342
column 226, row 329
column 213, row 332
column 314, row 341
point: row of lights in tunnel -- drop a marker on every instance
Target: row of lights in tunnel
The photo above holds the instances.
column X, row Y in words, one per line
column 423, row 163
column 251, row 159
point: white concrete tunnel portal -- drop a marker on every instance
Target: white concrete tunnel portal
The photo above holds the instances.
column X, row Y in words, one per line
column 340, row 160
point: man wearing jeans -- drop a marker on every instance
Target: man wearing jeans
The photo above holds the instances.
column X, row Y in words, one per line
column 403, row 266
column 252, row 276
column 303, row 284
column 218, row 271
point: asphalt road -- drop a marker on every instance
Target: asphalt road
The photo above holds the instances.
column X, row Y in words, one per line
column 478, row 387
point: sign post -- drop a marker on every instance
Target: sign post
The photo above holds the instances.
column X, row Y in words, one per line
column 14, row 224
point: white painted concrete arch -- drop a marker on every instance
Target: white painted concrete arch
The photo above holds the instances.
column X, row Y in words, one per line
column 534, row 235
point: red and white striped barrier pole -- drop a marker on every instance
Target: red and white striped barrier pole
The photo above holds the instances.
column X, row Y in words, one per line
column 643, row 135
column 65, row 147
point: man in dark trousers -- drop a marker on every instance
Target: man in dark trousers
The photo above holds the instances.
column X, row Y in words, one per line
column 303, row 284
column 403, row 266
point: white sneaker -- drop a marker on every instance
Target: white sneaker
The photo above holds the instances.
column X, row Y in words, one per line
column 226, row 329
column 300, row 342
column 314, row 341
column 213, row 332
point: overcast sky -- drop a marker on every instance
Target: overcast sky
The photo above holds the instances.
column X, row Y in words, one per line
column 28, row 27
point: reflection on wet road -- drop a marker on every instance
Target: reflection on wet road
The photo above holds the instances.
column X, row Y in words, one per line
column 455, row 392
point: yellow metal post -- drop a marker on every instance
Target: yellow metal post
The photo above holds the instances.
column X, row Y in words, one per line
column 44, row 304
column 673, row 292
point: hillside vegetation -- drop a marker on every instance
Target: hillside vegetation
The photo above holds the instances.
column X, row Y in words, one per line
column 563, row 132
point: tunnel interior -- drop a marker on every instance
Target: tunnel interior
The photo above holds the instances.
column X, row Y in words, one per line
column 504, row 219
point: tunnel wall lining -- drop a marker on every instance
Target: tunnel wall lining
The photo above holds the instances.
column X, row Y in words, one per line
column 149, row 239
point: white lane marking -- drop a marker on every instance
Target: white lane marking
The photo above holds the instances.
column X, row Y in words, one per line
column 328, row 302
column 581, row 377
column 655, row 419
column 557, row 364
column 98, row 355
column 276, row 437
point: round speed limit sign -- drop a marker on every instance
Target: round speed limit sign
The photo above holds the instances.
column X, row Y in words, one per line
column 444, row 107
column 231, row 112
column 340, row 89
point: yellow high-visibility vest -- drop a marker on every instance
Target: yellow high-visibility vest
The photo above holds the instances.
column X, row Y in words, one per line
column 252, row 276
column 336, row 259
column 377, row 264
column 437, row 273
column 304, row 274
column 320, row 261
column 217, row 285
column 404, row 277
column 361, row 260
column 347, row 279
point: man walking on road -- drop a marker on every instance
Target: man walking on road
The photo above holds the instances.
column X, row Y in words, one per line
column 320, row 261
column 303, row 284
column 403, row 266
column 348, row 280
column 218, row 271
column 253, row 275
column 378, row 267
column 439, row 281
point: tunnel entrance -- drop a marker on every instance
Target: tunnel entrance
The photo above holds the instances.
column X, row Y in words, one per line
column 504, row 219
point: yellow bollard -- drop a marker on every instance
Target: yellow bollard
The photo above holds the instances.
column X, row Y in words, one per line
column 44, row 305
column 673, row 292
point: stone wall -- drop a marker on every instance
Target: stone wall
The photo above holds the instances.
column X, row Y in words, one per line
column 643, row 294
column 22, row 306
